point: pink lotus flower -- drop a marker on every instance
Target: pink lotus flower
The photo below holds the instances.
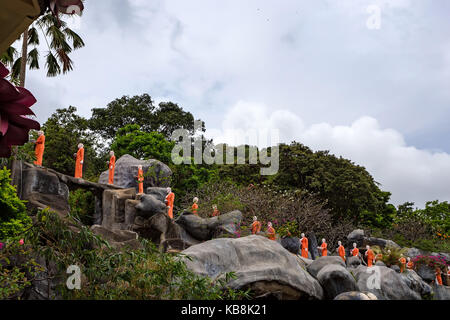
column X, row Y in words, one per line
column 21, row 242
column 15, row 103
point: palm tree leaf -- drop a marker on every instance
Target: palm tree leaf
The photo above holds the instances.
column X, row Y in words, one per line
column 48, row 20
column 33, row 36
column 33, row 59
column 52, row 65
column 58, row 39
column 8, row 56
column 65, row 60
column 15, row 70
column 77, row 42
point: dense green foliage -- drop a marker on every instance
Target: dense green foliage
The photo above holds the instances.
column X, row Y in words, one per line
column 13, row 216
column 82, row 205
column 107, row 273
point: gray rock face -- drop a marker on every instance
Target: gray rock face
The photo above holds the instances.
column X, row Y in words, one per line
column 384, row 283
column 396, row 268
column 259, row 263
column 43, row 189
column 113, row 206
column 413, row 281
column 356, row 236
column 380, row 242
column 150, row 205
column 441, row 292
column 205, row 229
column 426, row 273
column 291, row 244
column 414, row 252
column 317, row 265
column 380, row 264
column 118, row 239
column 156, row 173
column 335, row 279
column 353, row 295
column 353, row 262
column 312, row 245
column 160, row 194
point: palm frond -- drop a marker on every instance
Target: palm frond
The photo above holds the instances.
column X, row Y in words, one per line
column 33, row 59
column 65, row 60
column 48, row 20
column 15, row 70
column 52, row 65
column 58, row 39
column 8, row 56
column 77, row 42
column 33, row 36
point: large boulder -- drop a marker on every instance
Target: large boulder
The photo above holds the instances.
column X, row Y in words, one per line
column 150, row 205
column 335, row 279
column 426, row 273
column 206, row 229
column 416, row 283
column 441, row 292
column 356, row 236
column 355, row 295
column 384, row 283
column 156, row 173
column 42, row 189
column 317, row 265
column 312, row 245
column 291, row 244
column 382, row 243
column 353, row 262
column 414, row 252
column 259, row 264
column 118, row 239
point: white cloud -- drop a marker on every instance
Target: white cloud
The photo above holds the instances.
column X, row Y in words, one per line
column 411, row 174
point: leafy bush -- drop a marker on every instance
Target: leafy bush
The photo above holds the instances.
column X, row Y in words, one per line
column 13, row 215
column 82, row 205
column 431, row 261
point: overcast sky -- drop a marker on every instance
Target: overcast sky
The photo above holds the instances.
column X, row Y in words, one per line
column 312, row 69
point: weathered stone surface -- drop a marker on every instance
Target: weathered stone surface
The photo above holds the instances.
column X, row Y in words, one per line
column 414, row 252
column 306, row 261
column 353, row 262
column 317, row 265
column 356, row 236
column 205, row 229
column 260, row 264
column 43, row 189
column 335, row 279
column 416, row 283
column 312, row 245
column 159, row 193
column 113, row 206
column 380, row 242
column 380, row 264
column 150, row 205
column 156, row 173
column 130, row 211
column 118, row 239
column 426, row 273
column 441, row 292
column 352, row 295
column 396, row 268
column 391, row 284
column 291, row 244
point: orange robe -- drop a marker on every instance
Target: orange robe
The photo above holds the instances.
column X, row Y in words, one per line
column 355, row 252
column 402, row 264
column 170, row 199
column 370, row 257
column 140, row 177
column 410, row 265
column 216, row 213
column 304, row 247
column 341, row 251
column 324, row 249
column 194, row 209
column 438, row 276
column 271, row 233
column 112, row 167
column 378, row 257
column 256, row 227
column 78, row 164
column 39, row 150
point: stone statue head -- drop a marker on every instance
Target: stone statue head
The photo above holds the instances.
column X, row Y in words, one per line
column 195, row 200
column 40, row 133
column 255, row 218
column 80, row 145
column 140, row 166
column 367, row 247
column 302, row 235
column 111, row 153
column 323, row 240
column 354, row 244
column 169, row 189
column 339, row 243
column 269, row 224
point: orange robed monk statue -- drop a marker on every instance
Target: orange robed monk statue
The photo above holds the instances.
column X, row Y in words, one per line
column 438, row 277
column 195, row 206
column 341, row 250
column 355, row 251
column 140, row 177
column 370, row 256
column 39, row 148
column 170, row 198
column 79, row 161
column 216, row 211
column 256, row 225
column 323, row 248
column 270, row 231
column 111, row 167
column 402, row 263
column 304, row 243
column 410, row 264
